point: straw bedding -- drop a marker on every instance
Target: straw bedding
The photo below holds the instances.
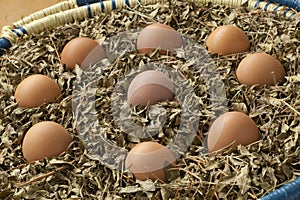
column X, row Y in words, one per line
column 245, row 173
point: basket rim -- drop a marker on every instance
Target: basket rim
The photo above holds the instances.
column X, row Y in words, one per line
column 71, row 10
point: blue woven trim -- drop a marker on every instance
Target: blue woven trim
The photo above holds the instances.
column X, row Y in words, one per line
column 113, row 3
column 287, row 191
column 23, row 31
column 289, row 3
column 266, row 6
column 286, row 11
column 89, row 10
column 4, row 45
column 127, row 3
column 277, row 7
column 80, row 2
column 102, row 5
column 257, row 3
column 85, row 2
column 17, row 33
column 292, row 15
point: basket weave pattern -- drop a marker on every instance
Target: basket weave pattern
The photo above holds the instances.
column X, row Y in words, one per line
column 70, row 11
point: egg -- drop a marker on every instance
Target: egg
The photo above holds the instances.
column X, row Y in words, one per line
column 260, row 69
column 158, row 36
column 45, row 139
column 149, row 160
column 232, row 128
column 36, row 90
column 150, row 87
column 82, row 51
column 228, row 39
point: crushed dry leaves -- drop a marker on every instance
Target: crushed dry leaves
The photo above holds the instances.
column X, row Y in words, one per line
column 245, row 173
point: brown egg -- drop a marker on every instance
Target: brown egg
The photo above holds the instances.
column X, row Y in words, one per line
column 158, row 36
column 228, row 39
column 150, row 87
column 45, row 139
column 260, row 69
column 232, row 128
column 82, row 51
column 36, row 90
column 149, row 160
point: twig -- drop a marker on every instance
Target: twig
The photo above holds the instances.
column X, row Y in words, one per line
column 291, row 107
column 217, row 185
column 38, row 178
column 55, row 48
column 252, row 194
column 129, row 179
column 11, row 169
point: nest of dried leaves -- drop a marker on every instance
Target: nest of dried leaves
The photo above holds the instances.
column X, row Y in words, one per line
column 245, row 173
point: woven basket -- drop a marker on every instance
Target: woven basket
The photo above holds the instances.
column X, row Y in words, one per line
column 79, row 10
column 69, row 11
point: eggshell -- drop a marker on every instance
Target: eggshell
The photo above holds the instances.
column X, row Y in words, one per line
column 36, row 90
column 150, row 87
column 82, row 51
column 260, row 69
column 149, row 160
column 232, row 127
column 228, row 39
column 158, row 36
column 45, row 139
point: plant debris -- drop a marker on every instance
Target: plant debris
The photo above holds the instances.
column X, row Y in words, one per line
column 245, row 173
